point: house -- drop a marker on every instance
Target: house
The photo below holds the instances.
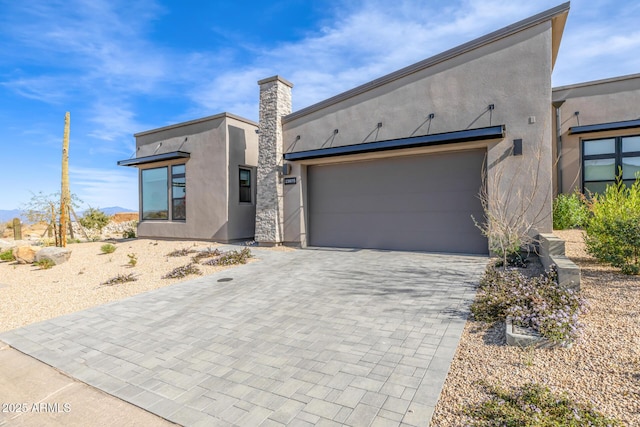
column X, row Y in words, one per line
column 398, row 163
column 197, row 179
column 599, row 133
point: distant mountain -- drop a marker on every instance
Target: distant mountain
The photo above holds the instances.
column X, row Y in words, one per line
column 8, row 215
column 112, row 210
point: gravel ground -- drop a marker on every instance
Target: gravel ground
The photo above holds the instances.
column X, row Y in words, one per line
column 602, row 369
column 29, row 294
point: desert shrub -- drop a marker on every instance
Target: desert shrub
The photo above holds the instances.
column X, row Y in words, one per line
column 534, row 405
column 45, row 264
column 613, row 228
column 231, row 258
column 107, row 248
column 539, row 303
column 94, row 219
column 208, row 253
column 7, row 256
column 183, row 271
column 180, row 252
column 120, row 278
column 130, row 231
column 133, row 259
column 569, row 211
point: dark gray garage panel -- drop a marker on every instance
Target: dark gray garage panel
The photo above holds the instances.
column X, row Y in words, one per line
column 405, row 203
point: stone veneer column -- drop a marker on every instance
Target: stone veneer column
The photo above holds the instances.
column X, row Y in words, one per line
column 275, row 102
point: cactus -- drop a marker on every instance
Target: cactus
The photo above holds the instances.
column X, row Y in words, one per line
column 17, row 229
column 65, row 198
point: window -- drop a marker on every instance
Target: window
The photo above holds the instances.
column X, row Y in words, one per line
column 156, row 193
column 178, row 192
column 245, row 185
column 602, row 159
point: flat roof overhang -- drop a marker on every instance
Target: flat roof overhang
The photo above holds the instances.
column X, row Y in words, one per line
column 155, row 158
column 492, row 132
column 602, row 127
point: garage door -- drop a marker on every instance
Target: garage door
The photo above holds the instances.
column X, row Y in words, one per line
column 404, row 203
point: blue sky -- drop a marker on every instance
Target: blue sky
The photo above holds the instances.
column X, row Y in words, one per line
column 125, row 66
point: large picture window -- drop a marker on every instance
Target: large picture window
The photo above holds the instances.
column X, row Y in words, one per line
column 602, row 159
column 245, row 185
column 156, row 193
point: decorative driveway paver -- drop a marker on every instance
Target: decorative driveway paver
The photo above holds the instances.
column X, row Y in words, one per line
column 327, row 337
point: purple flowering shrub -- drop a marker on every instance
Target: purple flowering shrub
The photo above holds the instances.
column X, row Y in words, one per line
column 534, row 405
column 538, row 303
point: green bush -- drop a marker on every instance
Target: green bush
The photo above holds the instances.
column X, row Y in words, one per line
column 133, row 259
column 107, row 248
column 130, row 232
column 94, row 219
column 569, row 211
column 613, row 229
column 45, row 264
column 7, row 256
column 534, row 405
column 539, row 303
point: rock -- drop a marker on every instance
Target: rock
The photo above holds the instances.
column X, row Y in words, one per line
column 25, row 254
column 57, row 255
column 5, row 245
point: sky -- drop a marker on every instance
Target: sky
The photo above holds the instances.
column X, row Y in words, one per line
column 126, row 66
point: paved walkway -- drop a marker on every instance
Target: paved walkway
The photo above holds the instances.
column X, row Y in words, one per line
column 309, row 337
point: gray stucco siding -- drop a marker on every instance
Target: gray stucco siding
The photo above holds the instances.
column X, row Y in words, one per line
column 513, row 74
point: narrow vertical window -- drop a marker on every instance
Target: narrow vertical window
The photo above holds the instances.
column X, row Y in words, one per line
column 178, row 192
column 154, row 194
column 245, row 185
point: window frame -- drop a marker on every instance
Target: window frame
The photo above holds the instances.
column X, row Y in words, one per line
column 170, row 199
column 241, row 186
column 618, row 157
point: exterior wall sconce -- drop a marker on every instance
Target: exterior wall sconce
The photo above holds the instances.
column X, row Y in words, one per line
column 517, row 147
column 286, row 169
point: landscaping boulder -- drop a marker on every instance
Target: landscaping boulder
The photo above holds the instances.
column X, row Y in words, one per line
column 25, row 254
column 5, row 245
column 56, row 255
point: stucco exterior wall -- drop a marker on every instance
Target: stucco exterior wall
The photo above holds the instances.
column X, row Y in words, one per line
column 208, row 182
column 512, row 73
column 602, row 101
column 243, row 152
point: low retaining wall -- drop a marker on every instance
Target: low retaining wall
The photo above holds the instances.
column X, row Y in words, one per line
column 551, row 251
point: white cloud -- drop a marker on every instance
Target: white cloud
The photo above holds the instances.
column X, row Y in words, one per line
column 100, row 188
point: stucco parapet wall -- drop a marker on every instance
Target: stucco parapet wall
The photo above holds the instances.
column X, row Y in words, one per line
column 196, row 121
column 274, row 79
column 558, row 16
column 551, row 252
column 610, row 81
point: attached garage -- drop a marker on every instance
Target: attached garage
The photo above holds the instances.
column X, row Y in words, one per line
column 419, row 202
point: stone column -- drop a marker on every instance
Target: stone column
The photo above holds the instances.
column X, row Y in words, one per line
column 275, row 102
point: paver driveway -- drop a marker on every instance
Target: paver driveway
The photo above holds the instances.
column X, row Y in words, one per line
column 308, row 337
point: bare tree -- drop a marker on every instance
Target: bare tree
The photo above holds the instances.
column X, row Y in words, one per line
column 512, row 212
